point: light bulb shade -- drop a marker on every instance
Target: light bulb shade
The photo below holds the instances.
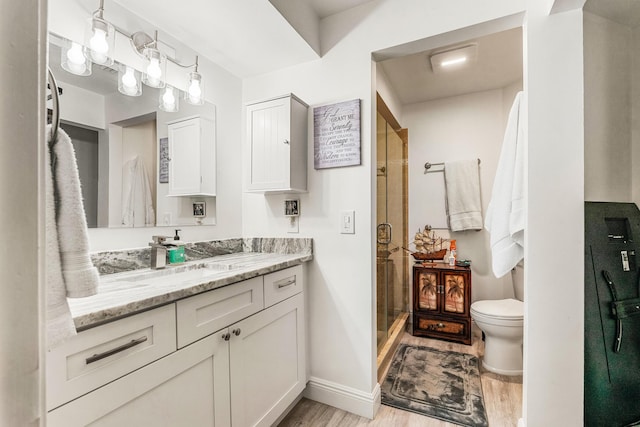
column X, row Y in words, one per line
column 129, row 81
column 99, row 40
column 72, row 59
column 168, row 100
column 155, row 67
column 195, row 90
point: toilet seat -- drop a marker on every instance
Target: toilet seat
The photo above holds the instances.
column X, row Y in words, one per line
column 502, row 312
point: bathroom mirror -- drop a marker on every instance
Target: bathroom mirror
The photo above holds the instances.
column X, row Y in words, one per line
column 120, row 144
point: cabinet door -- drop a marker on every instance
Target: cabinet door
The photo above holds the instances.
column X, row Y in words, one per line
column 428, row 290
column 455, row 293
column 184, row 152
column 187, row 388
column 268, row 369
column 269, row 138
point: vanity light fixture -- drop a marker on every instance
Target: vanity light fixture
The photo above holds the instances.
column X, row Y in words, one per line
column 453, row 59
column 99, row 49
column 169, row 99
column 99, row 38
column 194, row 92
column 72, row 59
column 129, row 81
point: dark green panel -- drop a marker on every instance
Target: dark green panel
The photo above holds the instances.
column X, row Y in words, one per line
column 611, row 379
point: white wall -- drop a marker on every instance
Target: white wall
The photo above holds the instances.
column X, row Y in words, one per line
column 22, row 121
column 458, row 128
column 342, row 276
column 222, row 89
column 73, row 106
column 554, row 285
column 607, row 132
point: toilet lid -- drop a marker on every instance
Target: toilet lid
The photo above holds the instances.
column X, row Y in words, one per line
column 503, row 308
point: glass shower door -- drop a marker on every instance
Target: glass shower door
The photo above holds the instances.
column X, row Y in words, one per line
column 391, row 231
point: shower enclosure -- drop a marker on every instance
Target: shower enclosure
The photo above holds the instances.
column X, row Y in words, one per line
column 392, row 263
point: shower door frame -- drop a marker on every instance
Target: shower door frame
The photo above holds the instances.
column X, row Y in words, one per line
column 402, row 133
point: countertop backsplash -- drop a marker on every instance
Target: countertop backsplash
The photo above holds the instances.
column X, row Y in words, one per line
column 110, row 262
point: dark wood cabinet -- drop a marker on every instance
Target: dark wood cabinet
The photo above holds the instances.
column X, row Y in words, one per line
column 441, row 302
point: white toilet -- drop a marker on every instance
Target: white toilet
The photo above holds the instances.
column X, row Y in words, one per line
column 502, row 323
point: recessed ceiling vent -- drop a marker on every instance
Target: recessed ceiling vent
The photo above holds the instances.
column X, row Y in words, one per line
column 454, row 59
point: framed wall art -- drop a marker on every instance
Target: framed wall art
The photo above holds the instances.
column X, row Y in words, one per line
column 336, row 135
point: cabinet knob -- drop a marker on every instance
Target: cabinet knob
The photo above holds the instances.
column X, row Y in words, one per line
column 236, row 332
column 226, row 336
column 286, row 141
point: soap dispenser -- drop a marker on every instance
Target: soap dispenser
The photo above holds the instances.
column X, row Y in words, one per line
column 176, row 252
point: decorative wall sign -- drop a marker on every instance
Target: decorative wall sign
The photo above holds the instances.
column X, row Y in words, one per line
column 336, row 135
column 163, row 170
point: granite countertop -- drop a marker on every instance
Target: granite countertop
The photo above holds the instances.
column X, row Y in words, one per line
column 123, row 294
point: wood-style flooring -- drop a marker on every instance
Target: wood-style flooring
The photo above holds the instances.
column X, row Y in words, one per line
column 502, row 399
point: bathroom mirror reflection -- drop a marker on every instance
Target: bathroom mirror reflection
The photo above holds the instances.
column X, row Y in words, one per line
column 118, row 139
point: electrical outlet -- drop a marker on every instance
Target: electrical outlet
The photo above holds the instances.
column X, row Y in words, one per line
column 293, row 224
column 167, row 218
column 347, row 222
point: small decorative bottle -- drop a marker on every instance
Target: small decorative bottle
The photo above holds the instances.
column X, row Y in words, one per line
column 452, row 253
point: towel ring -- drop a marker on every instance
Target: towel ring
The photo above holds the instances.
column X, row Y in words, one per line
column 55, row 111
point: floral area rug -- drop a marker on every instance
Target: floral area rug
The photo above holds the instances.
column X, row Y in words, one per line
column 439, row 384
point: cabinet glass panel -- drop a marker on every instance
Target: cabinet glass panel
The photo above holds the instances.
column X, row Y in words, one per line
column 454, row 289
column 428, row 296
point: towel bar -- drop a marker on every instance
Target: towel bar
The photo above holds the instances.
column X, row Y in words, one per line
column 428, row 165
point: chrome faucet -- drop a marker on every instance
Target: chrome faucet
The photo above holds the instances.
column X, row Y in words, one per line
column 158, row 252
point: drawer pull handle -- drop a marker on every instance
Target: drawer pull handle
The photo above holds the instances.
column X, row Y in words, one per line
column 289, row 282
column 226, row 336
column 236, row 332
column 113, row 351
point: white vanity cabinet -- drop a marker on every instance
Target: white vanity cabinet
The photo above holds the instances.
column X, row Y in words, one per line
column 186, row 388
column 277, row 135
column 192, row 157
column 232, row 356
column 267, row 353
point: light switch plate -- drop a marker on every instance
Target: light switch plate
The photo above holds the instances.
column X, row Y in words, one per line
column 347, row 222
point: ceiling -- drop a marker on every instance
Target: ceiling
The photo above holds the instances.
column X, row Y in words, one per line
column 498, row 64
column 625, row 12
column 246, row 37
column 262, row 40
column 324, row 8
column 251, row 37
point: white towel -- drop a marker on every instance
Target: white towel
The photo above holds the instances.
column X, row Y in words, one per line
column 506, row 213
column 137, row 203
column 464, row 208
column 70, row 272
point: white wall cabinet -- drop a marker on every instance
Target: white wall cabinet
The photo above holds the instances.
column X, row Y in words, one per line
column 192, row 157
column 244, row 374
column 277, row 135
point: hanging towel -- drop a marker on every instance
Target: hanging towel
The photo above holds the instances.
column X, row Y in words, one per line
column 464, row 208
column 70, row 272
column 506, row 212
column 137, row 203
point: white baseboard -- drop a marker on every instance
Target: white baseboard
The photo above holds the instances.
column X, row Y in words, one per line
column 345, row 398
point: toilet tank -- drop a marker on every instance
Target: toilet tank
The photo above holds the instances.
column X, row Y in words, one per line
column 517, row 278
